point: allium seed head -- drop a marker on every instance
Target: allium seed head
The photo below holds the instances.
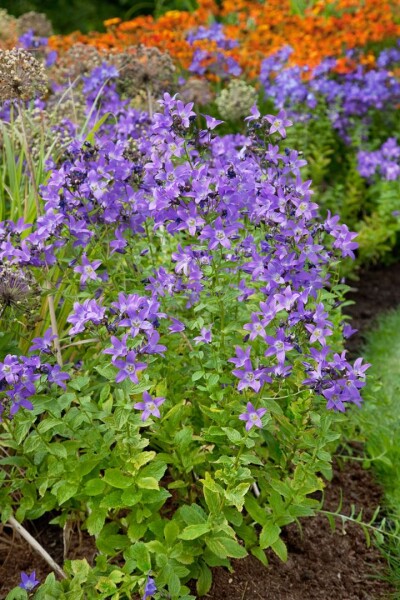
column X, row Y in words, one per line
column 22, row 77
column 16, row 285
column 36, row 22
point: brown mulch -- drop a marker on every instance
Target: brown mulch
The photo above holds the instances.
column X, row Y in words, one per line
column 16, row 555
column 376, row 291
column 322, row 565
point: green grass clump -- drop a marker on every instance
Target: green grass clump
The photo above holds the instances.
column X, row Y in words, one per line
column 378, row 424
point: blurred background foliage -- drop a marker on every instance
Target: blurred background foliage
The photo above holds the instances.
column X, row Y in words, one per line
column 88, row 15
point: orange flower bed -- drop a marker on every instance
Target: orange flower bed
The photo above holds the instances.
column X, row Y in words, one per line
column 260, row 29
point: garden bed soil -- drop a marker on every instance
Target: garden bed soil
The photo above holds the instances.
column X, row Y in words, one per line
column 322, row 564
column 376, row 291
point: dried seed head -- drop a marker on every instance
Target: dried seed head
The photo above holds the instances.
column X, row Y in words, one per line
column 142, row 67
column 36, row 22
column 22, row 77
column 16, row 286
column 197, row 90
column 236, row 100
column 78, row 61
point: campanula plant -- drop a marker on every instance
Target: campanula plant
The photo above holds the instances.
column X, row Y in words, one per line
column 346, row 114
column 181, row 403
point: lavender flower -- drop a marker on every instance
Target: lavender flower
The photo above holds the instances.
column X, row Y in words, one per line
column 279, row 123
column 205, row 336
column 149, row 406
column 252, row 416
column 28, row 582
column 87, row 269
column 150, row 588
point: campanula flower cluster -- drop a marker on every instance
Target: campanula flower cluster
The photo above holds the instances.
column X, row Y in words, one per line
column 234, row 205
column 356, row 94
column 175, row 365
column 384, row 162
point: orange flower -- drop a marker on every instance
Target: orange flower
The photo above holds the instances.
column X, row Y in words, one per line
column 111, row 22
column 259, row 28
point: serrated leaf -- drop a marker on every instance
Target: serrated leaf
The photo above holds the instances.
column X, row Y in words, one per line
column 257, row 513
column 192, row 514
column 279, row 547
column 260, row 555
column 192, row 532
column 57, row 449
column 130, row 497
column 142, row 556
column 65, row 491
column 174, row 585
column 269, row 534
column 95, row 521
column 116, row 479
column 232, row 434
column 204, row 580
column 213, row 501
column 147, row 483
column 216, row 547
column 48, row 423
column 171, row 532
column 94, row 487
column 233, row 549
column 197, row 375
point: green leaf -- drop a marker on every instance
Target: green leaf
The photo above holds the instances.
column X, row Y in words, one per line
column 236, row 496
column 94, row 487
column 192, row 532
column 65, row 491
column 232, row 548
column 80, row 569
column 33, row 443
column 79, row 382
column 57, row 449
column 213, row 501
column 171, row 532
column 108, row 372
column 49, row 423
column 257, row 513
column 95, row 521
column 130, row 497
column 174, row 585
column 116, row 479
column 215, row 545
column 280, row 549
column 232, row 434
column 147, row 483
column 112, row 500
column 269, row 534
column 17, row 594
column 260, row 555
column 204, row 580
column 142, row 556
column 197, row 375
column 105, row 392
column 192, row 514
